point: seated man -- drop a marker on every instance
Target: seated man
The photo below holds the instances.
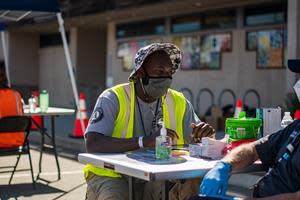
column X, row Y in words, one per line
column 125, row 118
column 278, row 152
column 10, row 105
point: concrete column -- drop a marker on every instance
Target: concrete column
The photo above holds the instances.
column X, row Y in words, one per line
column 73, row 43
column 293, row 47
column 111, row 48
column 240, row 18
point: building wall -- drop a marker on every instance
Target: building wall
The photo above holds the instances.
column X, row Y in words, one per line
column 91, row 56
column 53, row 76
column 32, row 67
column 293, row 40
column 238, row 73
column 91, row 63
column 23, row 58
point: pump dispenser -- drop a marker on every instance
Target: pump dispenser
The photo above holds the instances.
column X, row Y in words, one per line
column 163, row 143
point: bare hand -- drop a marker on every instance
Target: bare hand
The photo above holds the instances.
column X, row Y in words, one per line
column 200, row 130
column 150, row 140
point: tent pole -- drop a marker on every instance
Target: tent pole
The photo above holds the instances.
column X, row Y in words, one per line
column 70, row 67
column 4, row 47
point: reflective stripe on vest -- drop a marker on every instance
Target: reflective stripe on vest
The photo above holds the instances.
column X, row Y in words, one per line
column 173, row 105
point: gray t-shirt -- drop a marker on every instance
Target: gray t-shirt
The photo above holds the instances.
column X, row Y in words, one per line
column 107, row 108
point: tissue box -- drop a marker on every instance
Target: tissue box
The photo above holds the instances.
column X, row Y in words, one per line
column 195, row 150
column 208, row 148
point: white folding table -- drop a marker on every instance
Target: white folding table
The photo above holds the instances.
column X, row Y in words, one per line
column 51, row 112
column 192, row 168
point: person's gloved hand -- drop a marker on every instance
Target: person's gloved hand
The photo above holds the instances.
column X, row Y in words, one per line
column 215, row 182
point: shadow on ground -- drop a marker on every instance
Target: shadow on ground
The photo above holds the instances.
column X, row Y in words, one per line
column 16, row 191
column 25, row 190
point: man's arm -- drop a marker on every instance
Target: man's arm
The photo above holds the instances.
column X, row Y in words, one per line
column 215, row 181
column 287, row 196
column 242, row 156
column 99, row 143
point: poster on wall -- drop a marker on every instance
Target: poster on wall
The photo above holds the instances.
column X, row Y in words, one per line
column 127, row 50
column 269, row 46
column 190, row 48
column 203, row 52
column 251, row 41
column 212, row 47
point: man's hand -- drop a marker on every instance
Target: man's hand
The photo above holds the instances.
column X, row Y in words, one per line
column 149, row 141
column 200, row 130
column 215, row 182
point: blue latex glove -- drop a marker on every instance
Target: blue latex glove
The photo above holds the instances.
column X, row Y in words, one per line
column 215, row 182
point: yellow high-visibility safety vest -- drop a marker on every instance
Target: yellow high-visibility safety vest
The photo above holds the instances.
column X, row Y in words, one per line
column 173, row 106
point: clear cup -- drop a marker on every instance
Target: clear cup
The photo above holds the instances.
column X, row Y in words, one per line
column 44, row 100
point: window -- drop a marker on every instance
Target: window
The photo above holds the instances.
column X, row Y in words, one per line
column 224, row 19
column 270, row 47
column 51, row 39
column 203, row 52
column 210, row 20
column 268, row 14
column 187, row 24
column 151, row 27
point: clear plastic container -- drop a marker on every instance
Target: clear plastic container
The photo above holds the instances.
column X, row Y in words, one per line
column 286, row 120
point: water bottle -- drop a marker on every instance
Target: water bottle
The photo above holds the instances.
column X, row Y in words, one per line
column 44, row 100
column 286, row 120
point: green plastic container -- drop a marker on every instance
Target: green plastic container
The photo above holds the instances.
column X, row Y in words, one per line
column 242, row 128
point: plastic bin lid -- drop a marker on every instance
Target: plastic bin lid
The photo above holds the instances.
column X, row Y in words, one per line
column 242, row 121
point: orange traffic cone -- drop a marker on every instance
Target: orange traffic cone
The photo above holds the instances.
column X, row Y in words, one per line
column 238, row 108
column 36, row 119
column 78, row 132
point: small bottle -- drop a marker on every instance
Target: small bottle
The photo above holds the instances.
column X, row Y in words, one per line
column 286, row 120
column 36, row 96
column 32, row 104
column 163, row 143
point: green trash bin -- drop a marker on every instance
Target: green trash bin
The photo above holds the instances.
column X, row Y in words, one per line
column 242, row 128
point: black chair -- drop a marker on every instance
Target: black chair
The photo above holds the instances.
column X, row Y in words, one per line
column 17, row 124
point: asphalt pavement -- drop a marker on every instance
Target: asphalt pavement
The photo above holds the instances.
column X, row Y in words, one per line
column 71, row 186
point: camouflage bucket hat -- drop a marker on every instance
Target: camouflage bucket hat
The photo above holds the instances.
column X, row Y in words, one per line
column 171, row 49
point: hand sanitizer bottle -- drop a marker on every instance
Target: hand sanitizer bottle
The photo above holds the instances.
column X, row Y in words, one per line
column 163, row 143
column 286, row 120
